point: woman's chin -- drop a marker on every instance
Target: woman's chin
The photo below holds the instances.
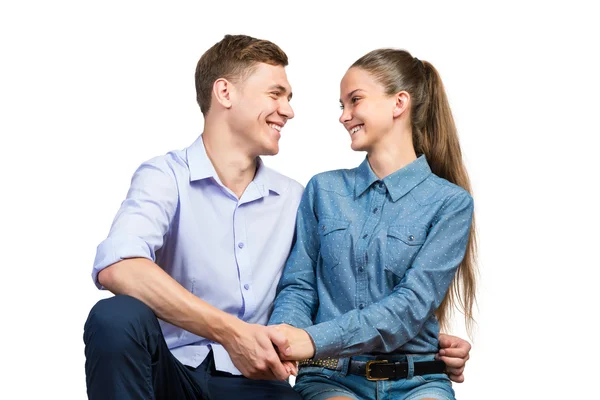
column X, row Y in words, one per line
column 356, row 145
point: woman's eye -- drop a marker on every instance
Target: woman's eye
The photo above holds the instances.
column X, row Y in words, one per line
column 354, row 100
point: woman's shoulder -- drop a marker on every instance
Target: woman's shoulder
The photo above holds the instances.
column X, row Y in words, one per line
column 338, row 180
column 436, row 188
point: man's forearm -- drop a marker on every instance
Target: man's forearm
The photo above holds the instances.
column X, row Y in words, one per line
column 171, row 302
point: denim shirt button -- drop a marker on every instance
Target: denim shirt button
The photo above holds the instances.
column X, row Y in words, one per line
column 361, row 306
column 411, row 238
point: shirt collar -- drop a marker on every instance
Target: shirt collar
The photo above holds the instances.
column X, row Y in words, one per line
column 365, row 177
column 198, row 162
column 267, row 180
column 200, row 168
column 398, row 183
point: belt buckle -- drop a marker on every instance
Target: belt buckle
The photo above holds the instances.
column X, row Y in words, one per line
column 368, row 370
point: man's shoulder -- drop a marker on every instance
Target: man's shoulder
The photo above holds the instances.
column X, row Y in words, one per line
column 173, row 163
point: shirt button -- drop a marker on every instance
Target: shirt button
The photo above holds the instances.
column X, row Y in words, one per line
column 361, row 306
column 380, row 184
column 360, row 269
column 411, row 238
column 365, row 236
column 241, row 245
column 323, row 227
column 246, row 286
column 375, row 210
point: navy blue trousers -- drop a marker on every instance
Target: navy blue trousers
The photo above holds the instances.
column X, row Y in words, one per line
column 127, row 358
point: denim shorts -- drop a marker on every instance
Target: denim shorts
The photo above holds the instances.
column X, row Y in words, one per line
column 316, row 383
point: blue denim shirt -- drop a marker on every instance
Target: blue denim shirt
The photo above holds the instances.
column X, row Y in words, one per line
column 373, row 259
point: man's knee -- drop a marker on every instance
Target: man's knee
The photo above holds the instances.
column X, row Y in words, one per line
column 115, row 317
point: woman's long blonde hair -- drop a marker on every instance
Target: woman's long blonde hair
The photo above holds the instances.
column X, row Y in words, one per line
column 434, row 135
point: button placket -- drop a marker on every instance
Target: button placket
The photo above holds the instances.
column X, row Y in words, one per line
column 242, row 256
column 375, row 205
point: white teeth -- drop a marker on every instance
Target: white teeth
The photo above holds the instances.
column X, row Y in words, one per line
column 355, row 129
column 276, row 127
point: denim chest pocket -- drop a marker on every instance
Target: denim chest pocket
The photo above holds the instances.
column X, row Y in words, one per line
column 403, row 244
column 333, row 234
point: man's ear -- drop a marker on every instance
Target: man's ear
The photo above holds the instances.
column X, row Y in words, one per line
column 222, row 89
column 402, row 103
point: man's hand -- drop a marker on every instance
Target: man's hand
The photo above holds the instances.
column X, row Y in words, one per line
column 455, row 353
column 301, row 345
column 250, row 347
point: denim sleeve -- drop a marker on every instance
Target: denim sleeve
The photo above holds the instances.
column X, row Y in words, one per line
column 394, row 320
column 143, row 218
column 297, row 298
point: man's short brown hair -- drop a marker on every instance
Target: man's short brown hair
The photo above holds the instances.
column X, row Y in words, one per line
column 233, row 58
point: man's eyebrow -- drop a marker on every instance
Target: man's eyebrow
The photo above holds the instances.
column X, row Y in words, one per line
column 282, row 89
column 350, row 94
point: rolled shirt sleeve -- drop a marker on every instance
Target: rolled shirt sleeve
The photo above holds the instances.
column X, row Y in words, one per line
column 143, row 219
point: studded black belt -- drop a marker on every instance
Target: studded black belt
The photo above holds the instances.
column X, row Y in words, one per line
column 380, row 370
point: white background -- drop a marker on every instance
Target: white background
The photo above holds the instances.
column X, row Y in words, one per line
column 89, row 90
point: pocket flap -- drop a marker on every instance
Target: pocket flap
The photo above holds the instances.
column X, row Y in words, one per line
column 328, row 225
column 411, row 235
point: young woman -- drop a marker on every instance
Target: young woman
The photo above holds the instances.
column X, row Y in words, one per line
column 385, row 250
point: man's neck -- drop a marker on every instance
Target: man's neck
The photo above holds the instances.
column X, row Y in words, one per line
column 234, row 166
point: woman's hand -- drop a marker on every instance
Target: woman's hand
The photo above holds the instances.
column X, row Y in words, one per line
column 454, row 351
column 300, row 346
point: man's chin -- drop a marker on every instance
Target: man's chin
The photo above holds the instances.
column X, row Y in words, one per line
column 270, row 150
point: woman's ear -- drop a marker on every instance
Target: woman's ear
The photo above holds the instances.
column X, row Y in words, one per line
column 402, row 103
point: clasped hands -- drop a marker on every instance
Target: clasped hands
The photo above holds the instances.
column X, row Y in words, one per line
column 266, row 352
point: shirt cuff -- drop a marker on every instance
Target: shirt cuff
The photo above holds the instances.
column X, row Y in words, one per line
column 282, row 317
column 327, row 337
column 290, row 317
column 117, row 248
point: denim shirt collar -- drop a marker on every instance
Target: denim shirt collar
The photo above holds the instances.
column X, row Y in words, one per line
column 398, row 183
column 201, row 168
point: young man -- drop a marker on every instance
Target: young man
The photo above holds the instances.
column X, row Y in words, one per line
column 200, row 242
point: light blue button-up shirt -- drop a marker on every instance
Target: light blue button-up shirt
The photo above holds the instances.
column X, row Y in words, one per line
column 373, row 259
column 226, row 251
